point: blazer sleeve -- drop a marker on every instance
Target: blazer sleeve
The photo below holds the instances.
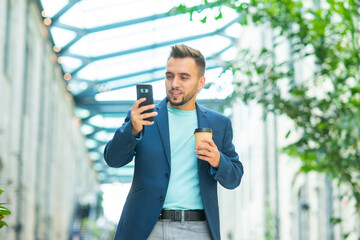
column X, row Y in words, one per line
column 230, row 170
column 121, row 149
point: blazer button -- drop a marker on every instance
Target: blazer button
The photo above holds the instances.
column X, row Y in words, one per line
column 161, row 198
column 167, row 175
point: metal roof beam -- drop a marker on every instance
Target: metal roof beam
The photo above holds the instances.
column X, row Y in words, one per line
column 128, row 22
column 88, row 60
column 62, row 11
column 129, row 75
column 117, row 24
column 149, row 71
column 79, row 31
column 79, row 34
column 134, row 50
column 91, row 91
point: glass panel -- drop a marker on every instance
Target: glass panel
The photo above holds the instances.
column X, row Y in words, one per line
column 94, row 13
column 61, row 36
column 109, row 46
column 52, row 7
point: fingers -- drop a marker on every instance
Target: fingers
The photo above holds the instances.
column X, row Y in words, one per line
column 138, row 117
column 207, row 146
column 137, row 103
column 204, row 150
column 136, row 110
column 144, row 118
column 208, row 152
column 213, row 158
column 209, row 141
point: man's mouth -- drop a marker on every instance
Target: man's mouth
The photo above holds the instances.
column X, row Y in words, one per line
column 175, row 93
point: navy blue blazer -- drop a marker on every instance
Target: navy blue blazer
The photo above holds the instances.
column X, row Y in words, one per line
column 152, row 169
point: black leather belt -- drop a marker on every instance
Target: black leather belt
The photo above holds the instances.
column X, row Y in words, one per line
column 183, row 215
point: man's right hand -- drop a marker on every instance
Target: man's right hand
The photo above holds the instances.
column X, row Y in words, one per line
column 137, row 116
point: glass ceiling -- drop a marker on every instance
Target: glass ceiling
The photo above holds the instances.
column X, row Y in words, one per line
column 106, row 47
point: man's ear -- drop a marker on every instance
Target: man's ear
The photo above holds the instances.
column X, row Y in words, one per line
column 201, row 83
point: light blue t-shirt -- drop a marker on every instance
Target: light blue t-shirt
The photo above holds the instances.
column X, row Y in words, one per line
column 184, row 190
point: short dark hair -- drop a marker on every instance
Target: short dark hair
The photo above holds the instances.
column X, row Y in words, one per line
column 183, row 51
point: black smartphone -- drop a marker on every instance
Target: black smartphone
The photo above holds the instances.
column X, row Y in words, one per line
column 145, row 90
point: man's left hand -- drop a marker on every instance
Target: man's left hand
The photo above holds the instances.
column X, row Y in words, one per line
column 208, row 152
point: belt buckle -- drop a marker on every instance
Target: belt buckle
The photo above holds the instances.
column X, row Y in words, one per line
column 177, row 216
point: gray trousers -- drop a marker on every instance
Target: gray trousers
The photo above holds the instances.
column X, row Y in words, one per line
column 185, row 230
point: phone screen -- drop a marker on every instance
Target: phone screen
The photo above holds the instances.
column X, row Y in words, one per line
column 145, row 90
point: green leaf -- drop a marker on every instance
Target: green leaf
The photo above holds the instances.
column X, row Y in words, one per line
column 335, row 220
column 346, row 235
column 4, row 212
column 181, row 8
column 2, row 224
column 219, row 16
column 287, row 134
column 203, row 20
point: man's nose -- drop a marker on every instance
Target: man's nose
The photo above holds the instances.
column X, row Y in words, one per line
column 176, row 82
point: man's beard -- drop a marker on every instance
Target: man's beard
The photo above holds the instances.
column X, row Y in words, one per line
column 185, row 99
column 177, row 103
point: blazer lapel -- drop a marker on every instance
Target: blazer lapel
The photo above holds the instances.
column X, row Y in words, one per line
column 202, row 116
column 202, row 123
column 162, row 122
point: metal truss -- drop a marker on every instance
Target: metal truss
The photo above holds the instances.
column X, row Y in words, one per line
column 86, row 99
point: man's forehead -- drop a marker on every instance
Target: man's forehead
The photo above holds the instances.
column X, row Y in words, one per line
column 181, row 65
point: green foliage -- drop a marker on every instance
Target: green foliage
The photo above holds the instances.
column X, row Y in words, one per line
column 325, row 36
column 335, row 221
column 270, row 222
column 3, row 211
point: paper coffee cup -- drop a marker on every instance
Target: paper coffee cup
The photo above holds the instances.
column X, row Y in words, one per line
column 201, row 133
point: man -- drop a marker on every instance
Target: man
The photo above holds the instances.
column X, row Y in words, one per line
column 174, row 189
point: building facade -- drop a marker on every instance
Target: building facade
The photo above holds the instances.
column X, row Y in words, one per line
column 45, row 170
